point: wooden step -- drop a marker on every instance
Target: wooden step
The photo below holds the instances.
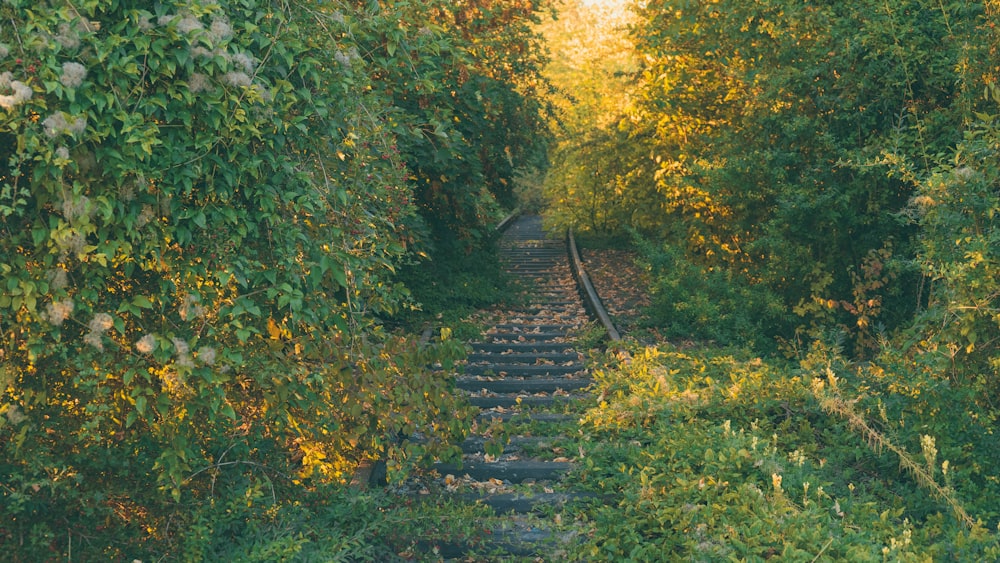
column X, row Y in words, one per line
column 521, row 370
column 509, row 471
column 523, row 503
column 539, row 385
column 524, row 416
column 524, row 358
column 507, row 401
column 522, row 347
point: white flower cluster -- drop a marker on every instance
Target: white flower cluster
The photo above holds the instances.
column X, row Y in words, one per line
column 245, row 62
column 199, row 83
column 59, row 311
column 14, row 415
column 4, row 51
column 145, row 216
column 241, row 77
column 68, row 36
column 58, row 278
column 347, row 58
column 220, row 30
column 61, row 123
column 146, row 344
column 126, row 191
column 73, row 74
column 206, row 355
column 74, row 208
column 167, row 19
column 100, row 324
column 21, row 92
column 188, row 24
column 964, row 174
column 200, row 52
column 183, row 353
column 190, row 308
column 72, row 244
column 238, row 79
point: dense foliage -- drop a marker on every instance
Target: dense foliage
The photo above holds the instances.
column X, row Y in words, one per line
column 464, row 80
column 784, row 147
column 817, row 182
column 204, row 206
column 209, row 210
column 718, row 455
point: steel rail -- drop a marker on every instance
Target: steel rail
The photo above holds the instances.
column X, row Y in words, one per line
column 591, row 300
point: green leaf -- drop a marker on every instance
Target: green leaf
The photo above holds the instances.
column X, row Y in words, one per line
column 339, row 275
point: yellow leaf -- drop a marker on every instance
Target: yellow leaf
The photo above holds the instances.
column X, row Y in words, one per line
column 273, row 330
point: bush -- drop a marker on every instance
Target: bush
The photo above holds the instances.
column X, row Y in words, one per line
column 956, row 206
column 716, row 454
column 202, row 208
column 702, row 302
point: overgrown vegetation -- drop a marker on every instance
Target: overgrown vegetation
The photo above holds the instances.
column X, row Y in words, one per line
column 211, row 211
column 205, row 207
column 814, row 184
column 787, row 149
column 717, row 455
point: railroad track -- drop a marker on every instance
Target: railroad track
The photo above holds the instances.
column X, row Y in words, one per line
column 528, row 379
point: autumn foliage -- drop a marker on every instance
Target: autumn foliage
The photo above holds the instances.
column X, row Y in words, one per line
column 817, row 183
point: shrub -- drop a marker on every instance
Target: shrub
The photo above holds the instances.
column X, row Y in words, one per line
column 709, row 303
column 716, row 454
column 202, row 209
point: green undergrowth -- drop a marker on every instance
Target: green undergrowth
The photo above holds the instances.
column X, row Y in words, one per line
column 590, row 336
column 451, row 287
column 331, row 523
column 589, row 240
column 719, row 455
column 708, row 304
